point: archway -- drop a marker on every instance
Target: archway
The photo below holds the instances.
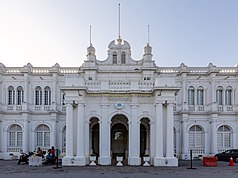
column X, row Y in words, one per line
column 94, row 136
column 119, row 136
column 144, row 137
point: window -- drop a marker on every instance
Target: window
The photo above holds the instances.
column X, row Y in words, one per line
column 63, row 99
column 196, row 137
column 38, row 96
column 47, row 93
column 64, row 137
column 200, row 95
column 15, row 136
column 114, row 58
column 11, row 95
column 191, row 96
column 223, row 137
column 20, row 95
column 228, row 96
column 123, row 58
column 219, row 96
column 43, row 136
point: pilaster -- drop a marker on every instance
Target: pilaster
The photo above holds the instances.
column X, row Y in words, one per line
column 170, row 160
column 105, row 135
column 25, row 139
column 159, row 159
column 68, row 159
column 134, row 138
column 80, row 159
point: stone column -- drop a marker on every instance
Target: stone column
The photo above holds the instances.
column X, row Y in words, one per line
column 1, row 143
column 170, row 159
column 26, row 93
column 159, row 159
column 80, row 159
column 54, row 130
column 105, row 137
column 134, row 138
column 184, row 137
column 25, row 143
column 67, row 160
column 213, row 135
column 54, row 93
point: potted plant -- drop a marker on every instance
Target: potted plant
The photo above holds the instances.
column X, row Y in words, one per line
column 92, row 159
column 146, row 159
column 119, row 157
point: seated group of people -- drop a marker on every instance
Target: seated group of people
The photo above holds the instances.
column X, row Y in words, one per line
column 50, row 155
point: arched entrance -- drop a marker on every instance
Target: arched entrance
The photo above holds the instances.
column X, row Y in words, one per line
column 94, row 136
column 144, row 137
column 119, row 136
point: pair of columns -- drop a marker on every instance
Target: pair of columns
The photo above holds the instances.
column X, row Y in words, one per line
column 164, row 146
column 80, row 158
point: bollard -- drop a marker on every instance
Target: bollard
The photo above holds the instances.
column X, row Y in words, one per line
column 191, row 159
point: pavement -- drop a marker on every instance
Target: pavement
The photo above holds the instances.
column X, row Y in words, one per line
column 10, row 169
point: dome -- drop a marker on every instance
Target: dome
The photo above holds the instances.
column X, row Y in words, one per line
column 119, row 44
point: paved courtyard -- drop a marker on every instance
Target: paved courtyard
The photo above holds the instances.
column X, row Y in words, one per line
column 10, row 169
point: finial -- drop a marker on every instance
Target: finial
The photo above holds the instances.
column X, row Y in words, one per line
column 148, row 35
column 119, row 19
column 90, row 36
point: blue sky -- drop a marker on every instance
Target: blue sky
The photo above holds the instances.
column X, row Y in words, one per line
column 45, row 32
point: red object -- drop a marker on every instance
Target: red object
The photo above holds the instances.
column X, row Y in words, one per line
column 210, row 161
column 231, row 163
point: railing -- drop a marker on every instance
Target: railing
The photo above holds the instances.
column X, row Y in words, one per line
column 63, row 150
column 229, row 108
column 120, row 85
column 220, row 150
column 191, row 108
column 19, row 107
column 200, row 108
column 10, row 107
column 198, row 151
column 219, row 108
column 47, row 108
column 14, row 149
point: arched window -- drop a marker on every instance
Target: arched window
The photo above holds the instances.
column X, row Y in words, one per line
column 196, row 139
column 11, row 95
column 200, row 96
column 123, row 58
column 223, row 138
column 114, row 58
column 38, row 96
column 47, row 93
column 219, row 96
column 20, row 95
column 228, row 96
column 42, row 136
column 15, row 136
column 191, row 95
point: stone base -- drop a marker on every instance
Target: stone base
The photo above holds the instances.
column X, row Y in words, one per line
column 159, row 161
column 134, row 161
column 80, row 161
column 68, row 161
column 104, row 160
column 171, row 161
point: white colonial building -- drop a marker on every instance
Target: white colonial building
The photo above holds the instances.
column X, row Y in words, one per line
column 119, row 106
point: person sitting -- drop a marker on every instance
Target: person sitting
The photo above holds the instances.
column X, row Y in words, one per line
column 39, row 152
column 52, row 152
